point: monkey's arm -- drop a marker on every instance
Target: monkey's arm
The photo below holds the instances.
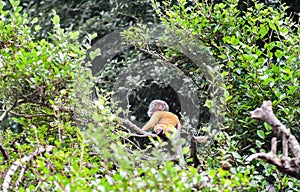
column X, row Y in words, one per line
column 152, row 122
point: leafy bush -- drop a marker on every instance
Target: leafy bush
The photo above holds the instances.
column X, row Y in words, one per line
column 46, row 89
column 89, row 16
column 258, row 52
column 70, row 142
column 252, row 73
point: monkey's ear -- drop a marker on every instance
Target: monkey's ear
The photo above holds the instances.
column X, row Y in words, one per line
column 166, row 107
column 149, row 113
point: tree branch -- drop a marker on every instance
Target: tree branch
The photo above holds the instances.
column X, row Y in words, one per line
column 132, row 127
column 4, row 153
column 4, row 114
column 21, row 163
column 289, row 166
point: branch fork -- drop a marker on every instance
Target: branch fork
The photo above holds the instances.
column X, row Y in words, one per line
column 285, row 164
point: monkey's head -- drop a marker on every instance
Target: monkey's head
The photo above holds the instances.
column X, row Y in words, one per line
column 157, row 105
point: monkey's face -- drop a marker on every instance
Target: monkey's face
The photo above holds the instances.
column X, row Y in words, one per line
column 157, row 105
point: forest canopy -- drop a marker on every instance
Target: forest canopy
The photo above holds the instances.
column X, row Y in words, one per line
column 76, row 80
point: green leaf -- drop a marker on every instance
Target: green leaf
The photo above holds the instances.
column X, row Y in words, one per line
column 208, row 103
column 279, row 54
column 37, row 28
column 227, row 96
column 94, row 54
column 272, row 25
column 56, row 18
column 258, row 143
column 35, row 20
column 263, row 30
column 74, row 35
column 20, row 66
column 94, row 35
column 236, row 155
column 14, row 3
column 261, row 134
column 292, row 89
column 267, row 126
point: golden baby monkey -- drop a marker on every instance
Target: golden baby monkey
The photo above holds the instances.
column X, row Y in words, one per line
column 161, row 119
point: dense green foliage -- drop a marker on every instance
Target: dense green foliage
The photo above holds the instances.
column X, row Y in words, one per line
column 258, row 51
column 40, row 92
column 89, row 16
column 46, row 87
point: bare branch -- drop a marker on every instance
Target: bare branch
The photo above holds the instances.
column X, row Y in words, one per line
column 274, row 146
column 132, row 127
column 20, row 163
column 31, row 116
column 4, row 153
column 265, row 113
column 193, row 151
column 4, row 114
column 289, row 166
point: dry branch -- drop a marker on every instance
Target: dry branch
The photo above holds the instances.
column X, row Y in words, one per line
column 132, row 127
column 193, row 151
column 21, row 163
column 5, row 112
column 289, row 166
column 4, row 153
